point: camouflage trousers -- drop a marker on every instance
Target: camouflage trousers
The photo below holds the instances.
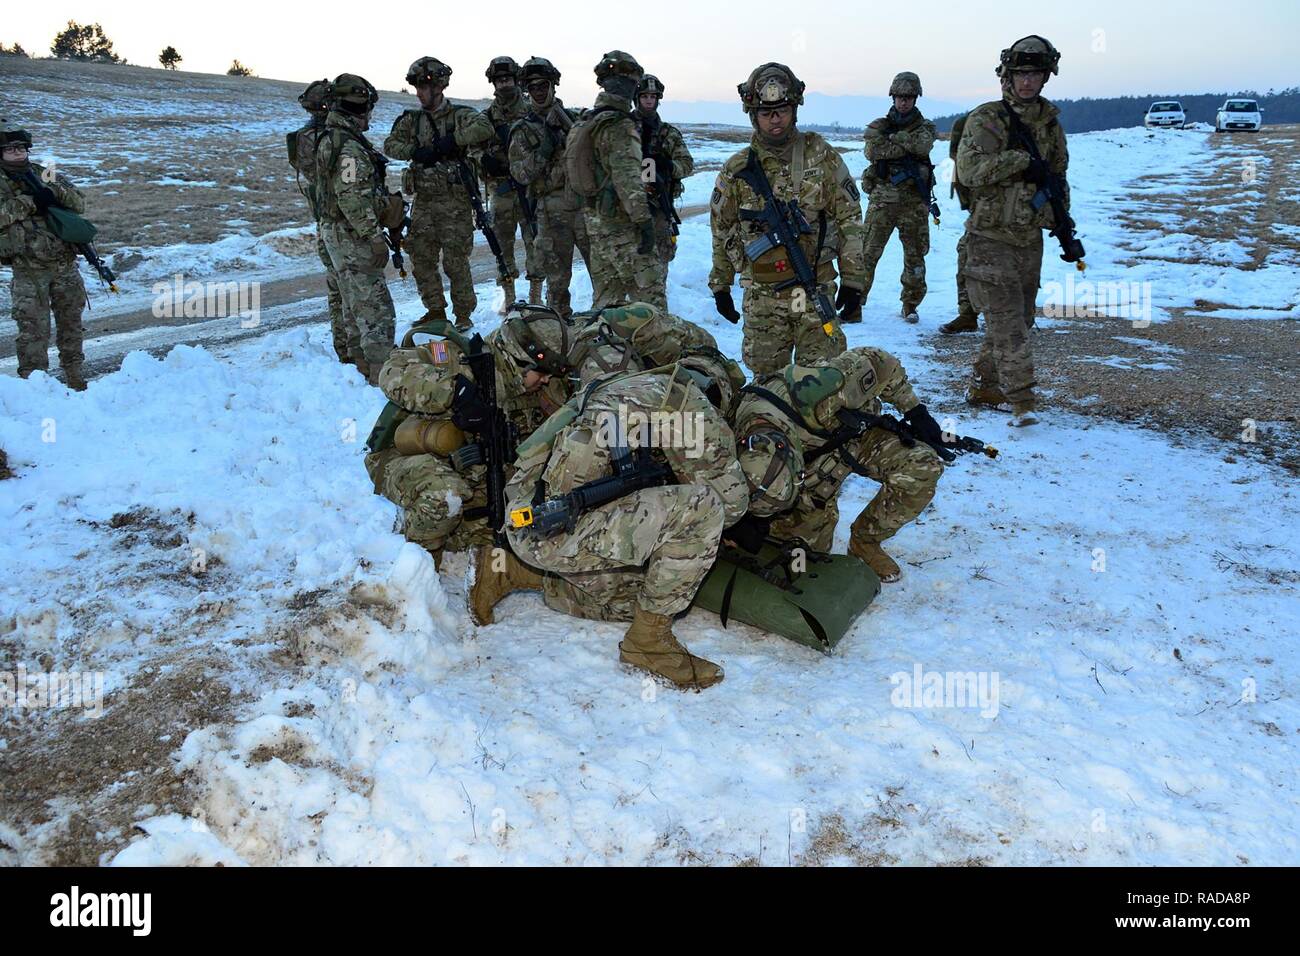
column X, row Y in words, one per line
column 38, row 291
column 964, row 308
column 508, row 219
column 363, row 290
column 343, row 326
column 907, row 477
column 561, row 226
column 442, row 231
column 773, row 329
column 665, row 253
column 433, row 497
column 618, row 272
column 911, row 219
column 651, row 549
column 1003, row 284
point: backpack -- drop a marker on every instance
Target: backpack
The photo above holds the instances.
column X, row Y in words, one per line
column 954, row 141
column 580, row 152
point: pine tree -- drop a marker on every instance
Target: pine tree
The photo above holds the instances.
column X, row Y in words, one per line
column 77, row 42
column 238, row 69
column 169, row 58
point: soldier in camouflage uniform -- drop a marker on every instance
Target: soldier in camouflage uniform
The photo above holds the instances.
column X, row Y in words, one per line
column 643, row 556
column 508, row 106
column 45, row 267
column 354, row 202
column 620, row 229
column 537, row 161
column 435, row 139
column 898, row 144
column 1004, row 251
column 635, row 336
column 425, row 382
column 662, row 143
column 967, row 318
column 302, row 157
column 800, row 166
column 781, row 433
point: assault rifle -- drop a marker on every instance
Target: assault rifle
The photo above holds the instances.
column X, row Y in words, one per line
column 634, row 470
column 67, row 225
column 855, row 424
column 513, row 185
column 783, row 224
column 1051, row 191
column 909, row 167
column 475, row 410
column 482, row 221
column 660, row 196
column 106, row 275
column 393, row 236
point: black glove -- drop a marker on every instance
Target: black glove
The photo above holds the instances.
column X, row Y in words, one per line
column 749, row 533
column 495, row 166
column 927, row 429
column 42, row 195
column 848, row 300
column 1036, row 173
column 468, row 410
column 647, row 244
column 425, row 155
column 722, row 301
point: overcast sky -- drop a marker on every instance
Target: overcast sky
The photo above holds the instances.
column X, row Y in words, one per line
column 702, row 49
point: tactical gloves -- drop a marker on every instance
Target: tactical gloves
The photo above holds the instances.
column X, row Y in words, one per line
column 468, row 410
column 726, row 307
column 442, row 147
column 647, row 244
column 927, row 429
column 848, row 300
column 42, row 195
column 495, row 166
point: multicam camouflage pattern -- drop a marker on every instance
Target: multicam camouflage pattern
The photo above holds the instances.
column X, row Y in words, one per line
column 636, row 336
column 657, row 544
column 350, row 190
column 809, row 170
column 912, row 221
column 860, row 379
column 1002, row 281
column 507, row 213
column 442, row 219
column 45, row 276
column 665, row 141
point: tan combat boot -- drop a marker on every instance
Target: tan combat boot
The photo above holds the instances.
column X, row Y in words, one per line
column 873, row 556
column 535, row 292
column 464, row 323
column 989, row 396
column 909, row 314
column 651, row 645
column 965, row 322
column 1022, row 414
column 507, row 295
column 491, row 586
column 73, row 379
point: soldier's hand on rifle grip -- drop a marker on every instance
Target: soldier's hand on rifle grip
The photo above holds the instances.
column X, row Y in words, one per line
column 468, row 410
column 927, row 429
column 378, row 252
column 848, row 300
column 726, row 306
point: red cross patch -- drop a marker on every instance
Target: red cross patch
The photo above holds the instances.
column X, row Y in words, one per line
column 781, row 265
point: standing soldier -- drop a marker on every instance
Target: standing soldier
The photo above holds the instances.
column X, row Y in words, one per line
column 663, row 144
column 537, row 148
column 619, row 225
column 45, row 267
column 1004, row 249
column 898, row 181
column 798, row 166
column 967, row 318
column 355, row 205
column 434, row 138
column 510, row 209
column 302, row 157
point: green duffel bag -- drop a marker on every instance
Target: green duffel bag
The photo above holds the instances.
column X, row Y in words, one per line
column 68, row 226
column 815, row 607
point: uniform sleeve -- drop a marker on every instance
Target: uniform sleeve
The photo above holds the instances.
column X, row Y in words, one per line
column 892, row 385
column 410, row 378
column 683, row 164
column 15, row 206
column 473, row 128
column 844, row 210
column 982, row 157
column 527, row 164
column 724, row 218
column 715, row 464
column 878, row 145
column 619, row 146
column 918, row 140
column 354, row 186
column 401, row 143
column 69, row 196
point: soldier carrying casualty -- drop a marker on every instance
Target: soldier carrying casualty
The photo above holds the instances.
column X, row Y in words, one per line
column 302, row 145
column 355, row 208
column 1013, row 159
column 899, row 183
column 435, row 139
column 810, row 196
column 511, row 209
column 537, row 151
column 665, row 161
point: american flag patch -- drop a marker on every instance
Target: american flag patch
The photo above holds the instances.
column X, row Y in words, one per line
column 439, row 352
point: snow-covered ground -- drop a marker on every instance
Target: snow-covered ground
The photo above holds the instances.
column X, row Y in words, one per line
column 1126, row 608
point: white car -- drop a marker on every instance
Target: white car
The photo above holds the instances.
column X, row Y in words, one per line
column 1166, row 113
column 1239, row 114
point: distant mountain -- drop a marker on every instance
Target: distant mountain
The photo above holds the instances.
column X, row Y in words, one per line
column 819, row 109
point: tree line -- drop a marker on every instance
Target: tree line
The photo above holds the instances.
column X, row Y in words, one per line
column 87, row 43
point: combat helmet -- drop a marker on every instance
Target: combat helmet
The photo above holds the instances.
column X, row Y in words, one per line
column 650, row 84
column 502, row 66
column 770, row 86
column 12, row 134
column 906, row 83
column 773, row 467
column 617, row 63
column 1031, row 54
column 428, row 69
column 536, row 338
column 316, row 98
column 538, row 68
column 718, row 377
column 353, row 93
